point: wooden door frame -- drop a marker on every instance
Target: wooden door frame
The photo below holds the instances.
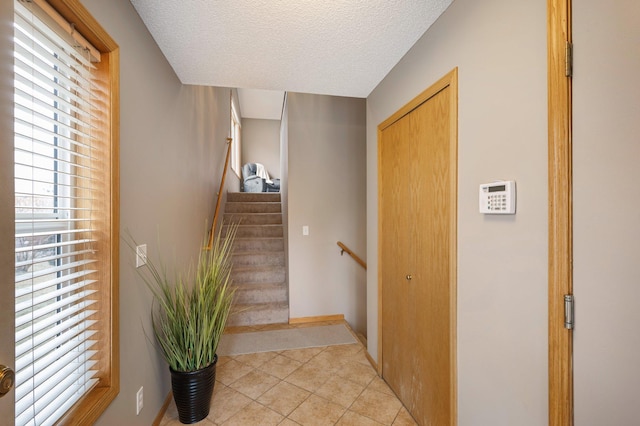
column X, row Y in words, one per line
column 560, row 211
column 7, row 204
column 449, row 80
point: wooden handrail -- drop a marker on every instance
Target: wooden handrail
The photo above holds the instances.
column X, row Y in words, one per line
column 352, row 254
column 217, row 210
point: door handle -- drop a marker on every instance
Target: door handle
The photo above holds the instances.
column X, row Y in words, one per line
column 409, row 277
column 7, row 379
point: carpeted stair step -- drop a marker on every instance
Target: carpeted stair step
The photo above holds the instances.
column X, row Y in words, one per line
column 258, row 314
column 260, row 293
column 258, row 271
column 257, row 274
column 260, row 197
column 253, row 218
column 258, row 244
column 252, row 207
column 265, row 258
column 256, row 231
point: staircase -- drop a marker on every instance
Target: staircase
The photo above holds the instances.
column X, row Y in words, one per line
column 258, row 260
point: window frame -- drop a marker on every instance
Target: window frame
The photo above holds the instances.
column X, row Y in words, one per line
column 236, row 139
column 87, row 410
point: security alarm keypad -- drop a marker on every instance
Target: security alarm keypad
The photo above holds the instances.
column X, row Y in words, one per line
column 498, row 197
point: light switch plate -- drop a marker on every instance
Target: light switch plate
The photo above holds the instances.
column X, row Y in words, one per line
column 141, row 255
column 139, row 400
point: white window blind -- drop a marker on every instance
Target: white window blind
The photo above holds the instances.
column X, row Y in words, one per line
column 56, row 296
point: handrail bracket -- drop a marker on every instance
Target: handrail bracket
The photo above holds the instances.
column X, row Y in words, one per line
column 346, row 249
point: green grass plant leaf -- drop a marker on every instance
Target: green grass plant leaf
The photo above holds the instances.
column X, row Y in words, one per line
column 190, row 312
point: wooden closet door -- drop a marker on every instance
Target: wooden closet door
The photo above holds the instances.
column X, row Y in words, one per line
column 430, row 289
column 396, row 253
column 417, row 263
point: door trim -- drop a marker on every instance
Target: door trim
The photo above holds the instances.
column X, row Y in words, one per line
column 560, row 211
column 450, row 80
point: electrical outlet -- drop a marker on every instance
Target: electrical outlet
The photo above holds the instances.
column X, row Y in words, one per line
column 139, row 400
column 141, row 255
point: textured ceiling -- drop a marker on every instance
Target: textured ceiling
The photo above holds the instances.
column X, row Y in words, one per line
column 333, row 47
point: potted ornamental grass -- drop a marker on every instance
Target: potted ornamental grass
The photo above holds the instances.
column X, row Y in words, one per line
column 188, row 316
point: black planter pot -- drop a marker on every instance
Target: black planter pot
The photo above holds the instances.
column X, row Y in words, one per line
column 192, row 392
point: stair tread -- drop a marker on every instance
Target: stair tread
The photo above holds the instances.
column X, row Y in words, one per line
column 259, row 246
column 268, row 313
column 274, row 284
column 257, row 239
column 246, row 287
column 254, row 213
column 254, row 203
column 258, row 252
column 262, row 306
column 245, row 267
column 247, row 239
column 257, row 224
column 254, row 197
column 247, row 231
column 253, row 207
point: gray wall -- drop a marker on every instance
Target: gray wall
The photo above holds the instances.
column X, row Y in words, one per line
column 606, row 201
column 172, row 151
column 500, row 49
column 326, row 191
column 261, row 144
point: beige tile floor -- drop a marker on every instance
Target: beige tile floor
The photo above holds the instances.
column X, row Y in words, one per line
column 332, row 385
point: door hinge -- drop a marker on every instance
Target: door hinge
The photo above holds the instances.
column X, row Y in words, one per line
column 569, row 305
column 568, row 53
